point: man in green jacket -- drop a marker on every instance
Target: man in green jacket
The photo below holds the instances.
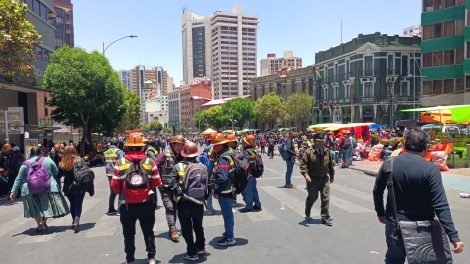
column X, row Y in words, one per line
column 315, row 166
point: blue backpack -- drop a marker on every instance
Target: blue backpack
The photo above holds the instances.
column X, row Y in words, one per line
column 283, row 151
column 204, row 159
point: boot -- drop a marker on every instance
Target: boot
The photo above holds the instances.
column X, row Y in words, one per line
column 76, row 224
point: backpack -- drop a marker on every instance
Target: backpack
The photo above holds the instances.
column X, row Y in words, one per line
column 38, row 178
column 136, row 186
column 283, row 151
column 346, row 144
column 204, row 159
column 195, row 183
column 241, row 172
column 84, row 177
column 257, row 167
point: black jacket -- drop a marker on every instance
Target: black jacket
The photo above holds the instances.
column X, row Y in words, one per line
column 419, row 192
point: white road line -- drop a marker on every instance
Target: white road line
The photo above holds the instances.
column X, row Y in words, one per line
column 350, row 191
column 345, row 205
column 63, row 221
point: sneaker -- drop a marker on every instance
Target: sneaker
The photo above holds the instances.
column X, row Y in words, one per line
column 210, row 212
column 112, row 212
column 201, row 251
column 192, row 258
column 289, row 186
column 152, row 261
column 257, row 209
column 327, row 221
column 226, row 242
column 245, row 210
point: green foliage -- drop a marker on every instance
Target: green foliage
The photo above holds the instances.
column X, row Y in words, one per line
column 131, row 117
column 299, row 107
column 168, row 130
column 155, row 126
column 183, row 130
column 270, row 108
column 214, row 117
column 240, row 109
column 17, row 39
column 85, row 90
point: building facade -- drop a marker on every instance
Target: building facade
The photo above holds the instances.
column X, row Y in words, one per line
column 368, row 79
column 272, row 65
column 125, row 77
column 63, row 22
column 196, row 40
column 412, row 31
column 190, row 101
column 174, row 109
column 446, row 52
column 234, row 47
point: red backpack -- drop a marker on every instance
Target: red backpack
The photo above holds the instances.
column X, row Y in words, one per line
column 136, row 185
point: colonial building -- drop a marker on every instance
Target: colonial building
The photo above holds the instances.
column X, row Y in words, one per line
column 368, row 79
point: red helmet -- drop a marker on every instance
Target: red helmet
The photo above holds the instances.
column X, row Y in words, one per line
column 231, row 138
column 219, row 139
column 190, row 150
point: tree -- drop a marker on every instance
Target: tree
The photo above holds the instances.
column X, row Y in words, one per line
column 270, row 108
column 17, row 40
column 85, row 90
column 239, row 109
column 155, row 126
column 299, row 107
column 131, row 117
column 214, row 116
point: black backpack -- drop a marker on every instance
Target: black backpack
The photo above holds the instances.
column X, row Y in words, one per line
column 195, row 183
column 241, row 172
column 257, row 167
column 84, row 178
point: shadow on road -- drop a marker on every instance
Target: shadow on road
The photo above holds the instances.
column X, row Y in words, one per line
column 179, row 259
column 167, row 236
column 54, row 229
column 142, row 261
column 240, row 242
column 310, row 221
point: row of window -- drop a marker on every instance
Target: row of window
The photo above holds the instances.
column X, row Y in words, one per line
column 38, row 8
column 367, row 91
column 446, row 86
column 434, row 5
column 446, row 57
column 446, row 29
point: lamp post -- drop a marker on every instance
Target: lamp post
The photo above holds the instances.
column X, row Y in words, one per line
column 233, row 120
column 104, row 49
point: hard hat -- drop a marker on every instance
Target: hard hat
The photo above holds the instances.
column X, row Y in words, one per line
column 250, row 140
column 219, row 139
column 135, row 140
column 177, row 139
column 231, row 138
column 190, row 150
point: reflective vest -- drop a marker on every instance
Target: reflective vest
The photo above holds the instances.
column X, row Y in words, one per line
column 111, row 156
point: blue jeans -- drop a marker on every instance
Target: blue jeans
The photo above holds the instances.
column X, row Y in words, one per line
column 250, row 195
column 290, row 168
column 226, row 208
column 344, row 157
column 394, row 255
column 209, row 202
column 76, row 204
column 350, row 152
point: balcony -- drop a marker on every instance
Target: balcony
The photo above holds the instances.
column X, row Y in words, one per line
column 368, row 99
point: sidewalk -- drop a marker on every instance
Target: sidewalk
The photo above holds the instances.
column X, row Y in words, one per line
column 456, row 179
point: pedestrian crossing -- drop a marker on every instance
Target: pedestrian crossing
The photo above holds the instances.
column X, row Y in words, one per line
column 274, row 199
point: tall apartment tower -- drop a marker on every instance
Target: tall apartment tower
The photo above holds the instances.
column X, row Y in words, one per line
column 196, row 36
column 234, row 43
column 63, row 22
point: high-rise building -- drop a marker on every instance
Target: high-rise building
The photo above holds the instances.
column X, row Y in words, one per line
column 234, row 43
column 174, row 109
column 125, row 78
column 196, row 40
column 272, row 65
column 63, row 22
column 446, row 52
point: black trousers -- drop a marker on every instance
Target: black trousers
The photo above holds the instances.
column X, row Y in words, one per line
column 145, row 213
column 271, row 151
column 190, row 215
column 112, row 197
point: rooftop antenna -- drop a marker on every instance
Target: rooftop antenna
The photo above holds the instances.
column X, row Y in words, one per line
column 341, row 29
column 185, row 7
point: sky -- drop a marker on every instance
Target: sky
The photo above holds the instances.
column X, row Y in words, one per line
column 301, row 26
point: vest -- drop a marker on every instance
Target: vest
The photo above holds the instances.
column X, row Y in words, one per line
column 168, row 172
column 111, row 157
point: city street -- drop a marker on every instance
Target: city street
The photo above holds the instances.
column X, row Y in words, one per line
column 278, row 234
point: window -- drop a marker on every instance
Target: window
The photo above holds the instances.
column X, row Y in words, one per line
column 437, row 58
column 427, row 60
column 449, row 28
column 467, row 45
column 437, row 87
column 404, row 65
column 467, row 12
column 449, row 3
column 427, row 32
column 459, row 2
column 335, row 92
column 427, row 87
column 437, row 4
column 368, row 89
column 459, row 27
column 368, row 68
column 467, row 82
column 459, row 56
column 36, row 6
column 347, row 91
column 448, row 86
column 437, row 31
column 459, row 85
column 404, row 88
column 325, row 93
column 428, row 5
column 449, row 57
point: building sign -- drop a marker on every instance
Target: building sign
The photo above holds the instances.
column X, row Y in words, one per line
column 14, row 120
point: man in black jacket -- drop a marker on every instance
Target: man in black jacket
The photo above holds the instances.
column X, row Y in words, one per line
column 419, row 194
column 290, row 160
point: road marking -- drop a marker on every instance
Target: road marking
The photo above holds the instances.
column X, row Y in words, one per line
column 261, row 216
column 106, row 226
column 276, row 172
column 345, row 205
column 63, row 221
column 291, row 201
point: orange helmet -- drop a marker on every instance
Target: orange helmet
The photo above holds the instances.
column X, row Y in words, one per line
column 231, row 138
column 190, row 150
column 135, row 140
column 219, row 139
column 210, row 136
column 250, row 140
column 177, row 139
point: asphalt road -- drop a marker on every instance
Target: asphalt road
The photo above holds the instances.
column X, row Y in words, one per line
column 278, row 234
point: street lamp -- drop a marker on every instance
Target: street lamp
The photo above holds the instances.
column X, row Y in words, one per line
column 104, row 49
column 233, row 120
